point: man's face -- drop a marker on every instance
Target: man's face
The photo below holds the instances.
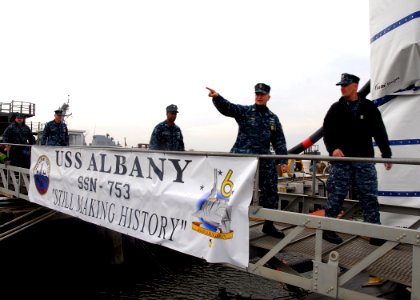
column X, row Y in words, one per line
column 19, row 120
column 348, row 90
column 171, row 116
column 58, row 118
column 261, row 99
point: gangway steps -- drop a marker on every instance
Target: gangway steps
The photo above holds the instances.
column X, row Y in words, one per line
column 395, row 265
column 17, row 215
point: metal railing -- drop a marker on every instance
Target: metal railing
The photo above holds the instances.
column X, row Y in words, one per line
column 18, row 106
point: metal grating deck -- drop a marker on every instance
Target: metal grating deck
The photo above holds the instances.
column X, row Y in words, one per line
column 395, row 265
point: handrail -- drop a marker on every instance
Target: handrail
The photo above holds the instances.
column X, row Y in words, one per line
column 402, row 160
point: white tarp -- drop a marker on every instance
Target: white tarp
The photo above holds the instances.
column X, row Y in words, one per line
column 400, row 186
column 197, row 205
column 395, row 47
column 395, row 88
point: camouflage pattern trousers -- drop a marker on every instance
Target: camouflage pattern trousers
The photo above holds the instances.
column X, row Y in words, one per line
column 364, row 178
column 268, row 182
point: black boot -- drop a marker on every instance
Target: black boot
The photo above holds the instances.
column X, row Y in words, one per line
column 271, row 230
column 331, row 237
column 376, row 241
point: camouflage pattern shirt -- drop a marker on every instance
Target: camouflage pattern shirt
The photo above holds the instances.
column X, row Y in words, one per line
column 165, row 137
column 55, row 134
column 18, row 134
column 258, row 128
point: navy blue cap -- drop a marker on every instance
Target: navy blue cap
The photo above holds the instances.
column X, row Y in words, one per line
column 262, row 88
column 172, row 108
column 19, row 115
column 58, row 112
column 348, row 78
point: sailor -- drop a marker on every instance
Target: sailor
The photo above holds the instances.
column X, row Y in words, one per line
column 258, row 128
column 348, row 129
column 167, row 135
column 55, row 132
column 19, row 133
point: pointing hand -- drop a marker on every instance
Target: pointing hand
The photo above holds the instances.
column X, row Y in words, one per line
column 212, row 93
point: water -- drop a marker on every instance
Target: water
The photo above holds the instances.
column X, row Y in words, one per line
column 70, row 259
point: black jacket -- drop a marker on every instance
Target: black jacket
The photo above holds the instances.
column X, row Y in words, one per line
column 353, row 133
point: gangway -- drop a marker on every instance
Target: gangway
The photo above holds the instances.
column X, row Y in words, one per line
column 335, row 265
column 332, row 267
column 16, row 211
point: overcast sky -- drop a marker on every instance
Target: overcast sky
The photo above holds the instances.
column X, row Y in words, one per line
column 122, row 62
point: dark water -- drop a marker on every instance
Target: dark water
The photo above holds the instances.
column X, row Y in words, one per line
column 71, row 259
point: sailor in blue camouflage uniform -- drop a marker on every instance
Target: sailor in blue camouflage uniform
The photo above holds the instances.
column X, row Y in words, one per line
column 167, row 135
column 55, row 132
column 349, row 127
column 258, row 128
column 19, row 133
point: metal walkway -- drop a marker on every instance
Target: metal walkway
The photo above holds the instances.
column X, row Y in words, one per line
column 16, row 213
column 395, row 265
column 335, row 265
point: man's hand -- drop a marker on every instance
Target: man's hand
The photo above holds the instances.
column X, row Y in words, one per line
column 388, row 166
column 281, row 169
column 338, row 153
column 212, row 93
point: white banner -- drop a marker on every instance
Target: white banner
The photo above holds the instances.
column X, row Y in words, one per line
column 197, row 205
column 395, row 47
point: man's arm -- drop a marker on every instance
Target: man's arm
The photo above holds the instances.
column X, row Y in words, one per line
column 6, row 135
column 328, row 129
column 31, row 138
column 279, row 143
column 154, row 139
column 66, row 135
column 381, row 138
column 181, row 142
column 380, row 135
column 225, row 107
column 45, row 134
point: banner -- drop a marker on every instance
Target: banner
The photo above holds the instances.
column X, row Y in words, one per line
column 197, row 205
column 395, row 47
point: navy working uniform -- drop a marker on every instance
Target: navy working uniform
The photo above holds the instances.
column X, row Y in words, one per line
column 19, row 133
column 167, row 136
column 258, row 128
column 55, row 133
column 350, row 126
